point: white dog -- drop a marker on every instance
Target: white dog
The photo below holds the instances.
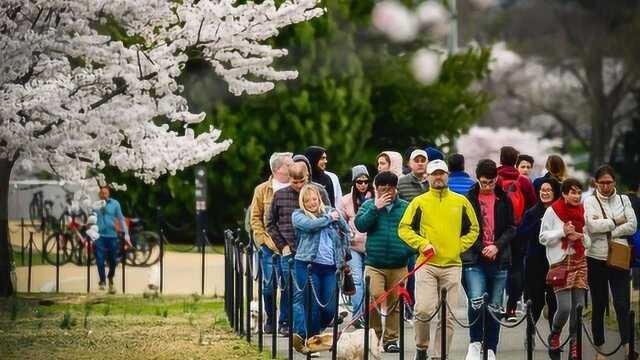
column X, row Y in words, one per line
column 351, row 345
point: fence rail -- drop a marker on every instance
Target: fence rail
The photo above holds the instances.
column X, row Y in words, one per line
column 239, row 282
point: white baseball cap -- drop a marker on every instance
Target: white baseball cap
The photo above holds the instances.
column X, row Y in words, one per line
column 418, row 152
column 436, row 165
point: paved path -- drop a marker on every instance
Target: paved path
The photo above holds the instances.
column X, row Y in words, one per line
column 511, row 346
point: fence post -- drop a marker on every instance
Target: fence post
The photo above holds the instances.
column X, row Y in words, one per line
column 124, row 264
column 274, row 308
column 401, row 328
column 485, row 298
column 57, row 262
column 367, row 301
column 578, row 338
column 22, row 241
column 308, row 307
column 260, row 296
column 334, row 345
column 162, row 237
column 203, row 244
column 89, row 251
column 632, row 335
column 30, row 261
column 249, row 288
column 530, row 330
column 240, row 302
column 290, row 308
column 443, row 322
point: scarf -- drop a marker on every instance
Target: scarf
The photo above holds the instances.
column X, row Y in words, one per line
column 575, row 214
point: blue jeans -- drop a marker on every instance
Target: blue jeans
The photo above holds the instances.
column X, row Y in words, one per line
column 479, row 279
column 284, row 283
column 357, row 272
column 411, row 281
column 106, row 248
column 323, row 278
column 268, row 267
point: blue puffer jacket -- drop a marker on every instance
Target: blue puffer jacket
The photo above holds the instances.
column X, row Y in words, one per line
column 307, row 232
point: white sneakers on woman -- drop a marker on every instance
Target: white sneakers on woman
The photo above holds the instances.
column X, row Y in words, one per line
column 475, row 352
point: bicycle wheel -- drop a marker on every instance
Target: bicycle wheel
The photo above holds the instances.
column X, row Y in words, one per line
column 80, row 253
column 65, row 247
column 148, row 249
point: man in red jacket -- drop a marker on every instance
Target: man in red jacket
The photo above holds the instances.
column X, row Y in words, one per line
column 523, row 196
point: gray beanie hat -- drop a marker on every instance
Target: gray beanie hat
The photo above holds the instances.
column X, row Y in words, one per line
column 358, row 171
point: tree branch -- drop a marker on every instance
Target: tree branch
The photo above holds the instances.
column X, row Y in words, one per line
column 118, row 91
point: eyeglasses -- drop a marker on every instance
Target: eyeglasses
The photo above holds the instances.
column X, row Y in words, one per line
column 362, row 182
column 487, row 183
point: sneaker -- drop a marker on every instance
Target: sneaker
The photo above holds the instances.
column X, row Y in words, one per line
column 112, row 289
column 554, row 346
column 391, row 347
column 510, row 315
column 573, row 350
column 491, row 355
column 420, row 355
column 268, row 328
column 284, row 330
column 101, row 285
column 473, row 353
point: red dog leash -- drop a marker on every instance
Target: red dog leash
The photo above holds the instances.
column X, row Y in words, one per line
column 399, row 286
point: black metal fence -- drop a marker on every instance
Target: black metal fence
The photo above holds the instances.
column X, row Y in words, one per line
column 240, row 275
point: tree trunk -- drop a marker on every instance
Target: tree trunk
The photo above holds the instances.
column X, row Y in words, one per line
column 6, row 253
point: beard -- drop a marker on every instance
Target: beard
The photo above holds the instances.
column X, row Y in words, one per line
column 439, row 185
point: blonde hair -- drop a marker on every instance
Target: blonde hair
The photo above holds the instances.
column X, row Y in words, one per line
column 304, row 193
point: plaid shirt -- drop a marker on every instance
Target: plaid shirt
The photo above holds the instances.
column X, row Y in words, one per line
column 279, row 224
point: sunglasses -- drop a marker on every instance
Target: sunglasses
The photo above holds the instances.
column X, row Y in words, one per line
column 362, row 182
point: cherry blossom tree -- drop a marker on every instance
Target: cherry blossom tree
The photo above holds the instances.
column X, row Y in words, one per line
column 74, row 98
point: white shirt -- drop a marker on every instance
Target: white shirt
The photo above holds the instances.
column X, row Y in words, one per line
column 597, row 227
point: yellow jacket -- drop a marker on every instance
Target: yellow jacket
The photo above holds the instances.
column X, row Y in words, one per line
column 260, row 205
column 440, row 215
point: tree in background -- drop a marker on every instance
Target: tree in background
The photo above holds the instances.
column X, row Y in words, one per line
column 356, row 95
column 75, row 98
column 585, row 56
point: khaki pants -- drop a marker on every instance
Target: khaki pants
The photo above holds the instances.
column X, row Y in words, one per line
column 381, row 281
column 429, row 281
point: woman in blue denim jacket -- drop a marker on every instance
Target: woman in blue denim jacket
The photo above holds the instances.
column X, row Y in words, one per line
column 323, row 244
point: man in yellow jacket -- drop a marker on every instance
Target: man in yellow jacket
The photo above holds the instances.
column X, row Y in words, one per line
column 445, row 222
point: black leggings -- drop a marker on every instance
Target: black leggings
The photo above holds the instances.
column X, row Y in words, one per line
column 515, row 279
column 600, row 275
column 536, row 288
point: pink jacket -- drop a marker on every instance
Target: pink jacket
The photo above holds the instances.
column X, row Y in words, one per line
column 358, row 239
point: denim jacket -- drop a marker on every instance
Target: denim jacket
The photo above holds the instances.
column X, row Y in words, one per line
column 308, row 236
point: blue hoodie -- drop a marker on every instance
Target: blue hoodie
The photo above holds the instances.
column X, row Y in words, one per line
column 460, row 182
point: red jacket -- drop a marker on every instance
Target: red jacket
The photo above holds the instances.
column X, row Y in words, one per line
column 511, row 173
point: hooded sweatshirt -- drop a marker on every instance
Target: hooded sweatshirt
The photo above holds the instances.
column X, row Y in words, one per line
column 511, row 173
column 396, row 162
column 323, row 192
column 313, row 154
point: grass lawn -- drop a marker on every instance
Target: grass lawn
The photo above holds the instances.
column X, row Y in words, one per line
column 118, row 327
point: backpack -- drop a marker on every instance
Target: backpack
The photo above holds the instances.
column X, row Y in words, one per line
column 514, row 192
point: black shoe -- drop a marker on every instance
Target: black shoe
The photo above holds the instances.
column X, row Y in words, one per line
column 284, row 330
column 391, row 347
column 268, row 328
column 421, row 354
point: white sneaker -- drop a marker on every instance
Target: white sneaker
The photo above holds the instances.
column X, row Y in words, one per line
column 491, row 355
column 473, row 353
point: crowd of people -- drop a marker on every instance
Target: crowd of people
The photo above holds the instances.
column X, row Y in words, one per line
column 498, row 233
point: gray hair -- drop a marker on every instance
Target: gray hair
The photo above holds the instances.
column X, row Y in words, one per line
column 278, row 159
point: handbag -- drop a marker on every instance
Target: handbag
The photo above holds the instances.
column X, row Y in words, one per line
column 557, row 275
column 348, row 285
column 619, row 256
